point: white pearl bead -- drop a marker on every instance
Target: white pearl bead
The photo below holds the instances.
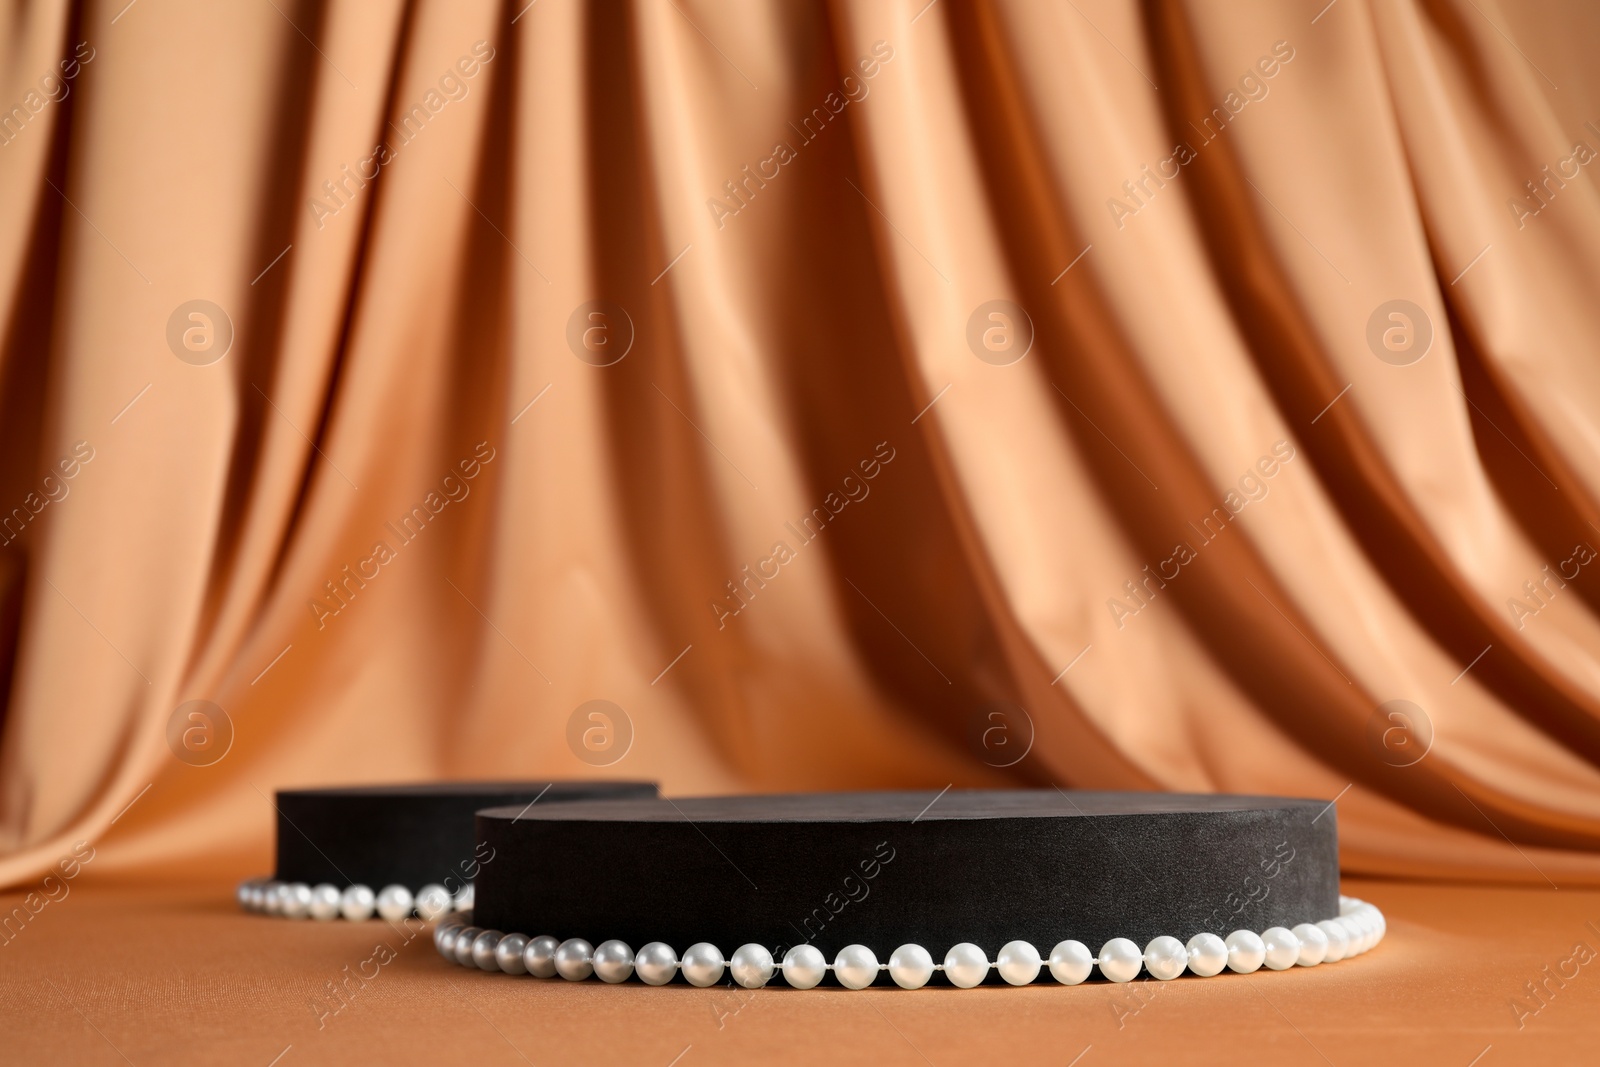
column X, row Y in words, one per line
column 463, row 900
column 966, row 965
column 508, row 954
column 1354, row 936
column 855, row 967
column 1165, row 957
column 356, row 903
column 271, row 902
column 483, row 947
column 1313, row 944
column 1352, row 925
column 465, row 937
column 444, row 939
column 911, row 966
column 297, row 900
column 1246, row 951
column 1282, row 948
column 258, row 896
column 656, row 964
column 324, row 903
column 1018, row 962
column 1071, row 962
column 1120, row 960
column 702, row 964
column 751, row 966
column 394, row 902
column 540, row 956
column 575, row 959
column 1208, row 955
column 1353, row 932
column 613, row 961
column 1372, row 933
column 804, row 966
column 432, row 901
column 1338, row 943
column 242, row 894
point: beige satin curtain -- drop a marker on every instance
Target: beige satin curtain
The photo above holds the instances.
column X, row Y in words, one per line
column 1170, row 388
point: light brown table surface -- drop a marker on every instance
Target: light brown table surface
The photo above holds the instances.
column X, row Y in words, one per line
column 175, row 974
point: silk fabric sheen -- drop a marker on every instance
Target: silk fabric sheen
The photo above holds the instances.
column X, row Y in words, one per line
column 1203, row 527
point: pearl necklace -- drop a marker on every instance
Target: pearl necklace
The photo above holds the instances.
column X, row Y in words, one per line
column 296, row 900
column 1359, row 927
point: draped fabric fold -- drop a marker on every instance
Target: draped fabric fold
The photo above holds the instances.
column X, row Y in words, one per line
column 1116, row 395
